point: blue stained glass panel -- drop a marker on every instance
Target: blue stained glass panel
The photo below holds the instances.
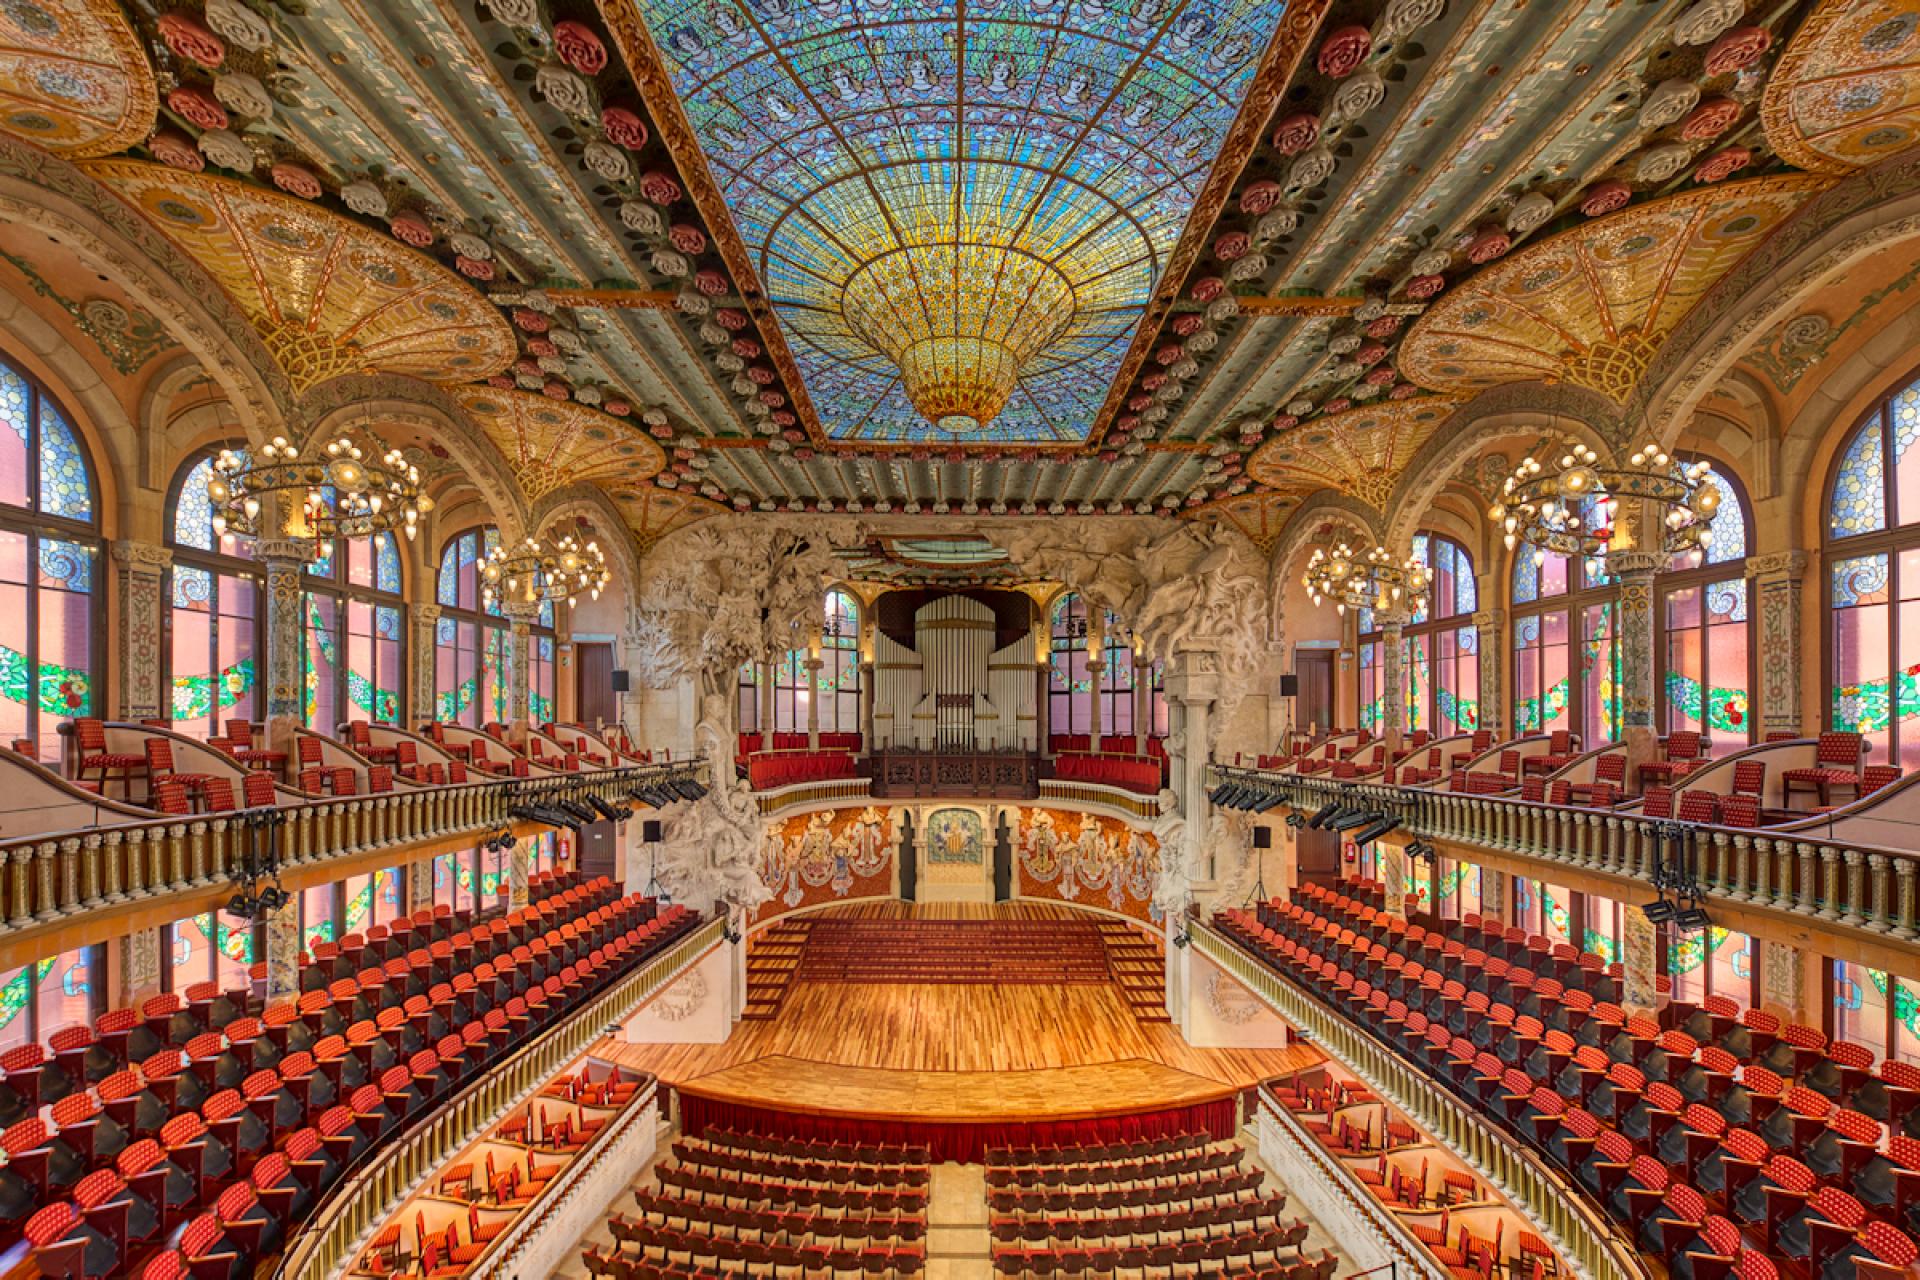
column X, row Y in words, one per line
column 387, row 562
column 1859, row 492
column 1860, row 580
column 449, row 589
column 66, row 489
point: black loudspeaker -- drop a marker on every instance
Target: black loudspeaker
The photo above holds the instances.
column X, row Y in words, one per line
column 622, row 683
column 1263, row 837
column 1289, row 685
column 650, row 831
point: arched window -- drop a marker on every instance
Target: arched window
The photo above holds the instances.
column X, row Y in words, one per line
column 1116, row 680
column 1440, row 665
column 1069, row 683
column 215, row 651
column 840, row 665
column 1704, row 625
column 1566, row 664
column 540, row 651
column 49, row 568
column 471, row 641
column 1872, row 571
column 354, row 634
column 790, row 692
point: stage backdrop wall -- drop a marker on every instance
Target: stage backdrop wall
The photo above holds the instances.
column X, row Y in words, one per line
column 1087, row 860
column 828, row 855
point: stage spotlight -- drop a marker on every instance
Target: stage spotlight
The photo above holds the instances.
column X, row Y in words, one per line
column 1355, row 818
column 1268, row 801
column 1691, row 919
column 1659, row 911
column 1380, row 827
column 1295, row 821
column 1323, row 813
column 1214, row 793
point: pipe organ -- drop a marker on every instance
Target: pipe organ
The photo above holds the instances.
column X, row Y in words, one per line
column 953, row 691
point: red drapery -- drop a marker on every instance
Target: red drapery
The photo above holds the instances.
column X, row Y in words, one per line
column 964, row 1142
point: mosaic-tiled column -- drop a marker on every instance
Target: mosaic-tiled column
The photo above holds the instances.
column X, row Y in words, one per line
column 1778, row 582
column 1096, row 670
column 283, row 954
column 1639, row 955
column 520, row 620
column 139, row 577
column 1393, row 700
column 1393, row 878
column 139, row 967
column 1633, row 642
column 814, row 667
column 426, row 625
column 284, row 560
column 1488, row 625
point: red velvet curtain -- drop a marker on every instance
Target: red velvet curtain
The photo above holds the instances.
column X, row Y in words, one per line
column 962, row 1143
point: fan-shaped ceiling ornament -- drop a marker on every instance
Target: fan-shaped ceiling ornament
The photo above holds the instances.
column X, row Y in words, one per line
column 74, row 77
column 1846, row 93
column 1360, row 453
column 1592, row 305
column 653, row 513
column 549, row 444
column 1259, row 516
column 327, row 295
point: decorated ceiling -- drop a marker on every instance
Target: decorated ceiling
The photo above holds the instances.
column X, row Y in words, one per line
column 1206, row 257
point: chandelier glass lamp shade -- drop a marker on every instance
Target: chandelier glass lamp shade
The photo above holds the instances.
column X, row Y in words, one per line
column 1370, row 581
column 960, row 322
column 535, row 573
column 1575, row 508
column 340, row 490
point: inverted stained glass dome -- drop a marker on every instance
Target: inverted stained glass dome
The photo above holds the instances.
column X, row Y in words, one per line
column 960, row 219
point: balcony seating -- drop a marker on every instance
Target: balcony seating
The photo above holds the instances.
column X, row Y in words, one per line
column 1645, row 1118
column 770, row 769
column 1680, row 754
column 90, row 739
column 240, row 735
column 1134, row 773
column 1837, row 761
column 1560, row 753
column 1481, row 743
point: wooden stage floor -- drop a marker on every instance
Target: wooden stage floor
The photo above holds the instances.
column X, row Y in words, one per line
column 953, row 1052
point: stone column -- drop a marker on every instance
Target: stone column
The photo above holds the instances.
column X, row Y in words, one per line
column 520, row 619
column 283, row 953
column 1194, row 679
column 284, row 560
column 1095, row 668
column 1393, row 699
column 519, row 871
column 1639, row 956
column 139, row 967
column 1778, row 581
column 1142, row 705
column 1633, row 641
column 1043, row 709
column 1493, row 895
column 814, row 666
column 420, row 885
column 139, row 579
column 426, row 628
column 1489, row 628
column 1392, row 860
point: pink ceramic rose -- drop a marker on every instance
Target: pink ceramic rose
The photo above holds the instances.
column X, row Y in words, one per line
column 579, row 47
column 1296, row 133
column 623, row 128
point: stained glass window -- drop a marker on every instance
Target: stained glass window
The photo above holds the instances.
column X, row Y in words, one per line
column 355, row 647
column 1440, row 663
column 49, row 568
column 214, row 650
column 839, row 681
column 1069, row 682
column 472, row 659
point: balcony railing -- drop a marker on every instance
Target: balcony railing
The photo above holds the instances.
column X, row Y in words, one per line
column 58, row 875
column 1848, row 884
column 1568, row 1218
column 364, row 1199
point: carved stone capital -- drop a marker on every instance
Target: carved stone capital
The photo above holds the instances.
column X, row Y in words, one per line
column 1490, row 619
column 142, row 556
column 296, row 551
column 1636, row 563
column 1390, row 619
column 1779, row 566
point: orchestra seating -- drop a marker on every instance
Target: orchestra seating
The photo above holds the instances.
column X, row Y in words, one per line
column 205, row 1114
column 737, row 1204
column 1716, row 1136
column 1181, row 1205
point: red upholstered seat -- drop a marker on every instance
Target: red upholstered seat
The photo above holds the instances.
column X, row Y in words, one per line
column 1836, row 763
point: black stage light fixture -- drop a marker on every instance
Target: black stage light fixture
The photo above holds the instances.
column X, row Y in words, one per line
column 1659, row 911
column 1214, row 793
column 1691, row 919
column 1268, row 801
column 1379, row 827
column 1295, row 821
column 1324, row 812
column 1354, row 818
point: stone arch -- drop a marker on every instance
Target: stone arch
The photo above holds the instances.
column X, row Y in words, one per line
column 1301, row 529
column 1502, row 412
column 1861, row 214
column 616, row 539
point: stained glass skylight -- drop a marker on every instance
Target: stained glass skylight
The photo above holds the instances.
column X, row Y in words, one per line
column 986, row 199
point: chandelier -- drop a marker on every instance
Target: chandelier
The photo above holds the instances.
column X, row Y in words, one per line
column 532, row 573
column 1573, row 509
column 960, row 321
column 333, row 494
column 1370, row 581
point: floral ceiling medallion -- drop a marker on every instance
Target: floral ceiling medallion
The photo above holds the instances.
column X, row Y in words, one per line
column 653, row 513
column 960, row 213
column 74, row 77
column 1846, row 93
column 1593, row 304
column 550, row 443
column 327, row 295
column 1359, row 452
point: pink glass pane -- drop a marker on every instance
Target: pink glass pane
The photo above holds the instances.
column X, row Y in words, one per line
column 67, row 983
column 241, row 665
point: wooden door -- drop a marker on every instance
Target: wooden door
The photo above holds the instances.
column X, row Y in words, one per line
column 594, row 698
column 1315, row 703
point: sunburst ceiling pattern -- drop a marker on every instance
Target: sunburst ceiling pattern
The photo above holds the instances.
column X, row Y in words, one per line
column 1260, row 516
column 550, row 444
column 73, row 77
column 902, row 174
column 653, row 513
column 327, row 295
column 1360, row 453
column 1846, row 93
column 1592, row 305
